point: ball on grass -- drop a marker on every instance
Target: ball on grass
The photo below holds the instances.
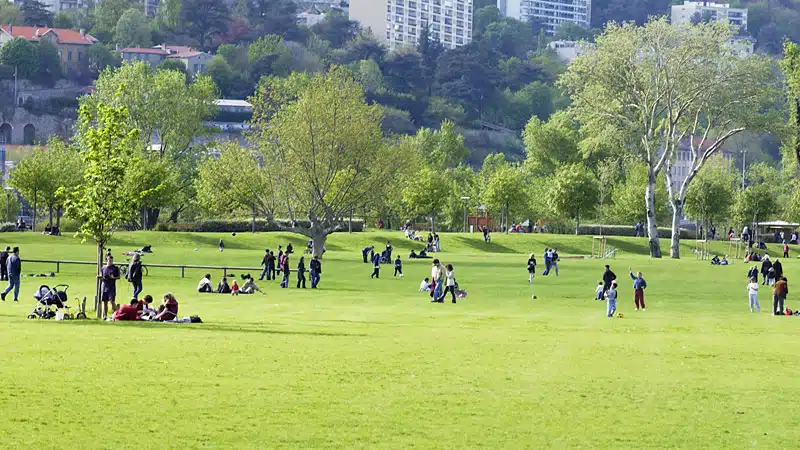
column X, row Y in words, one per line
column 401, row 275
column 533, row 297
column 233, row 234
column 195, row 249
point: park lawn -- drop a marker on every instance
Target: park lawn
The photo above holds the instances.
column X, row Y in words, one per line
column 366, row 363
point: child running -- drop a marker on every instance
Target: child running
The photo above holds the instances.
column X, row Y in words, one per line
column 611, row 297
column 531, row 268
column 752, row 291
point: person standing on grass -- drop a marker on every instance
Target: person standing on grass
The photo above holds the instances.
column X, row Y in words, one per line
column 301, row 272
column 554, row 260
column 753, row 273
column 14, row 273
column 779, row 296
column 3, row 262
column 639, row 285
column 608, row 278
column 611, row 299
column 109, row 275
column 265, row 263
column 221, row 245
column 486, row 238
column 752, row 293
column 531, row 268
column 376, row 266
column 437, row 274
column 285, row 268
column 316, row 269
column 766, row 264
column 785, row 249
column 778, row 267
column 547, row 262
column 366, row 252
column 450, row 285
column 398, row 267
column 135, row 275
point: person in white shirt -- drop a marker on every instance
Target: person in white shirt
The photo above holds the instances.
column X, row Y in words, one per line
column 450, row 285
column 752, row 291
column 425, row 286
column 205, row 284
column 598, row 293
column 611, row 297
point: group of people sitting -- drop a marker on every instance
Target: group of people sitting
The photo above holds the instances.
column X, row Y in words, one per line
column 248, row 286
column 143, row 310
column 716, row 261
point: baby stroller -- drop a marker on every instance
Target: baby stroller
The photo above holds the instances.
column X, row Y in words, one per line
column 46, row 299
column 386, row 257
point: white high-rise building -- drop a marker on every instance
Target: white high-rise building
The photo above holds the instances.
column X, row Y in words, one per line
column 399, row 22
column 551, row 13
column 689, row 11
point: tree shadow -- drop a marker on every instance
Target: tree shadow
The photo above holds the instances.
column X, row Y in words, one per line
column 478, row 244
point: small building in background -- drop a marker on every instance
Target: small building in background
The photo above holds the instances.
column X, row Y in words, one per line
column 154, row 56
column 566, row 51
column 71, row 45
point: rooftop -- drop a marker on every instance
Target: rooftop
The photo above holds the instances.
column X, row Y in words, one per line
column 146, row 51
column 63, row 36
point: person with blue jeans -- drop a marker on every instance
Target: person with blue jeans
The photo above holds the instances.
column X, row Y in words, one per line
column 316, row 269
column 547, row 262
column 135, row 275
column 14, row 268
column 611, row 298
column 265, row 263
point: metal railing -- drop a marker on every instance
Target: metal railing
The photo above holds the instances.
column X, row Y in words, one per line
column 183, row 267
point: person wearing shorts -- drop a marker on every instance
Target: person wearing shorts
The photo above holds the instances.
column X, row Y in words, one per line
column 109, row 275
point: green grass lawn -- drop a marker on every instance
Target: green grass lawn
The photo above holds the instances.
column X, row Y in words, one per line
column 366, row 363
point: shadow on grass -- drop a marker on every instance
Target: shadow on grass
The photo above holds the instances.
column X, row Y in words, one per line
column 211, row 240
column 478, row 244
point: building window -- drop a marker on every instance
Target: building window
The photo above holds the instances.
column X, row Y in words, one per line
column 69, row 55
column 80, row 55
column 195, row 67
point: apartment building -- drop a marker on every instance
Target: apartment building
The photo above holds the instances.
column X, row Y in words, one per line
column 399, row 22
column 689, row 11
column 550, row 13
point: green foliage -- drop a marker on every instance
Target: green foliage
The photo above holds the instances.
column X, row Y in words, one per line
column 204, row 19
column 711, row 196
column 426, row 196
column 107, row 14
column 573, row 192
column 21, row 54
column 133, row 29
column 35, row 14
column 790, row 65
column 568, row 31
column 504, row 189
column 221, row 73
column 336, row 29
column 62, row 19
column 107, row 147
column 629, row 206
column 175, row 65
column 99, row 58
column 551, row 144
column 49, row 62
column 10, row 14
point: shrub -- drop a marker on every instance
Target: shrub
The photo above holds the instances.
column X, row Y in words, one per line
column 7, row 227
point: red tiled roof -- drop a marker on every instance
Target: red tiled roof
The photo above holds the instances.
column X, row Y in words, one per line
column 63, row 36
column 146, row 51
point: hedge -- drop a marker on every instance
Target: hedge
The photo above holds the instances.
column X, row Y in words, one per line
column 7, row 227
column 239, row 226
column 627, row 230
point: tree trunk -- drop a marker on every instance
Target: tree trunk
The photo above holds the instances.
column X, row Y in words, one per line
column 577, row 221
column 319, row 236
column 58, row 218
column 50, row 211
column 652, row 227
column 433, row 221
column 151, row 218
column 98, row 308
column 35, row 211
column 677, row 212
column 253, row 226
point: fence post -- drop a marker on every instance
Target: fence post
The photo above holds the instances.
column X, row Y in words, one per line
column 58, row 266
column 224, row 271
column 182, row 272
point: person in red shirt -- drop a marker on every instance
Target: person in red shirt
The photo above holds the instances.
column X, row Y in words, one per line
column 128, row 312
column 168, row 310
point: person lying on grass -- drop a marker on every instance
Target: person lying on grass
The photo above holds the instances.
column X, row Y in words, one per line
column 168, row 309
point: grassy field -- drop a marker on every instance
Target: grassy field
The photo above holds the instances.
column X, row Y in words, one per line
column 366, row 363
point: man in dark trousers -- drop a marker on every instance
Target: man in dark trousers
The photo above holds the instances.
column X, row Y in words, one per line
column 14, row 270
column 376, row 264
column 271, row 263
column 3, row 261
column 608, row 277
column 301, row 272
column 315, row 267
column 366, row 252
column 766, row 264
column 265, row 263
column 778, row 268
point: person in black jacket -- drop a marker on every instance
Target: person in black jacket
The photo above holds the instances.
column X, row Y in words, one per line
column 766, row 264
column 301, row 272
column 778, row 268
column 315, row 267
column 3, row 261
column 608, row 277
column 398, row 267
column 265, row 263
column 365, row 252
column 753, row 273
column 135, row 275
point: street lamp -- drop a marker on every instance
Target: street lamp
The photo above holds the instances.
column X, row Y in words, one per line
column 465, row 200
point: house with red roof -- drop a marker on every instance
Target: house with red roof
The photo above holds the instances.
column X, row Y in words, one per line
column 72, row 45
column 154, row 56
column 194, row 60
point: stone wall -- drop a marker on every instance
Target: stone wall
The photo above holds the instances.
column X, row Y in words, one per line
column 40, row 128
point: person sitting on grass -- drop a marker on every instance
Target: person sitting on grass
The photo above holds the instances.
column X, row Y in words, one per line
column 205, row 284
column 146, row 310
column 223, row 287
column 250, row 287
column 724, row 261
column 234, row 288
column 168, row 309
column 425, row 286
column 127, row 312
column 715, row 261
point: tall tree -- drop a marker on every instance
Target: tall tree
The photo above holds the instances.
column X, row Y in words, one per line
column 107, row 14
column 690, row 84
column 711, row 196
column 551, row 144
column 337, row 29
column 791, row 72
column 10, row 14
column 36, row 14
column 169, row 114
column 203, row 19
column 100, row 203
column 133, row 29
column 322, row 144
column 32, row 179
column 573, row 193
column 273, row 17
column 505, row 192
column 21, row 54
